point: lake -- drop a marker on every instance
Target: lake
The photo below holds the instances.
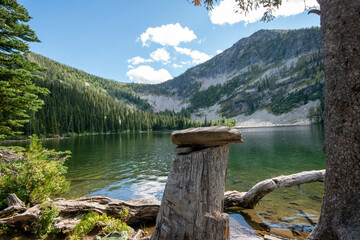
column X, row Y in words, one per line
column 136, row 165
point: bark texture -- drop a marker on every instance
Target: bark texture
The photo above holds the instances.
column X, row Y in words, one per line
column 14, row 204
column 140, row 211
column 192, row 203
column 340, row 213
column 252, row 197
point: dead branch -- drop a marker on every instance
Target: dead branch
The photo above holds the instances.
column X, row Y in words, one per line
column 252, row 197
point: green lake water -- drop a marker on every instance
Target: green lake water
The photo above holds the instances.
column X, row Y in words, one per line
column 135, row 165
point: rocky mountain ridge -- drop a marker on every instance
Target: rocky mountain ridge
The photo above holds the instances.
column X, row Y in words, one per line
column 275, row 73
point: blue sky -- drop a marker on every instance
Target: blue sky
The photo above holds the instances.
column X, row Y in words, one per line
column 146, row 41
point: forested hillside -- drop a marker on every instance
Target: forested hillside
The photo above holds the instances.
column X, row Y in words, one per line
column 272, row 70
column 83, row 103
column 275, row 70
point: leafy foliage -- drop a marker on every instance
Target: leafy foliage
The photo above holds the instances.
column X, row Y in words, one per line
column 39, row 176
column 315, row 115
column 91, row 219
column 4, row 229
column 45, row 225
column 245, row 6
column 18, row 94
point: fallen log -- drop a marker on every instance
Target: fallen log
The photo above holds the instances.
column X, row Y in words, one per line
column 140, row 211
column 252, row 197
column 30, row 215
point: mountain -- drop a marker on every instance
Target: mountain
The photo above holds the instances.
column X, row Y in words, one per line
column 57, row 72
column 274, row 75
column 81, row 103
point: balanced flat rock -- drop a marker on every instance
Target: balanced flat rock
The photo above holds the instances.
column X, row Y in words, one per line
column 183, row 150
column 206, row 136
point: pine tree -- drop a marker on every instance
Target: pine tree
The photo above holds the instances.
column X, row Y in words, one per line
column 18, row 94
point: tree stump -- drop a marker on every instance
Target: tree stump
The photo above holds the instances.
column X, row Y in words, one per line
column 14, row 205
column 193, row 200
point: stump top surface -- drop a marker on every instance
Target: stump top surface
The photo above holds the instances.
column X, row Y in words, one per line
column 206, row 136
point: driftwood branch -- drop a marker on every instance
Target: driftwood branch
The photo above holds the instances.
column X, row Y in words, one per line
column 252, row 197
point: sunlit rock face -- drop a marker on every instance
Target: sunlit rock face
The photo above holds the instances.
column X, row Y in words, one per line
column 273, row 70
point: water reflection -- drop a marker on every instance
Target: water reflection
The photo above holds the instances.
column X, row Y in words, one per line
column 129, row 166
column 270, row 152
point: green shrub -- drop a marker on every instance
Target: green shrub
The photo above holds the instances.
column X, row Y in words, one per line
column 91, row 219
column 39, row 176
column 45, row 225
column 4, row 229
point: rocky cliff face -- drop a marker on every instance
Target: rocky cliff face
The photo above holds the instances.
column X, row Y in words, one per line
column 272, row 71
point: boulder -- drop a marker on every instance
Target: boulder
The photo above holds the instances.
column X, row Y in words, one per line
column 206, row 136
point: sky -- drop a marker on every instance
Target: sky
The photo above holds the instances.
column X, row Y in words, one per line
column 146, row 41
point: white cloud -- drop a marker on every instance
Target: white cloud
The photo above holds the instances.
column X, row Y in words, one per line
column 177, row 65
column 185, row 62
column 167, row 35
column 137, row 60
column 186, row 51
column 219, row 51
column 130, row 66
column 160, row 55
column 225, row 12
column 146, row 74
column 197, row 57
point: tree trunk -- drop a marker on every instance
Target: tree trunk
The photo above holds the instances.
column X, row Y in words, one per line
column 340, row 213
column 193, row 199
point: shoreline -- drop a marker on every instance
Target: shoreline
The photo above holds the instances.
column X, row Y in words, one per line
column 244, row 125
column 28, row 140
column 270, row 125
column 70, row 136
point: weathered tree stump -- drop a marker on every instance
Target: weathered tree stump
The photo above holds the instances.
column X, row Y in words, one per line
column 14, row 205
column 193, row 200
